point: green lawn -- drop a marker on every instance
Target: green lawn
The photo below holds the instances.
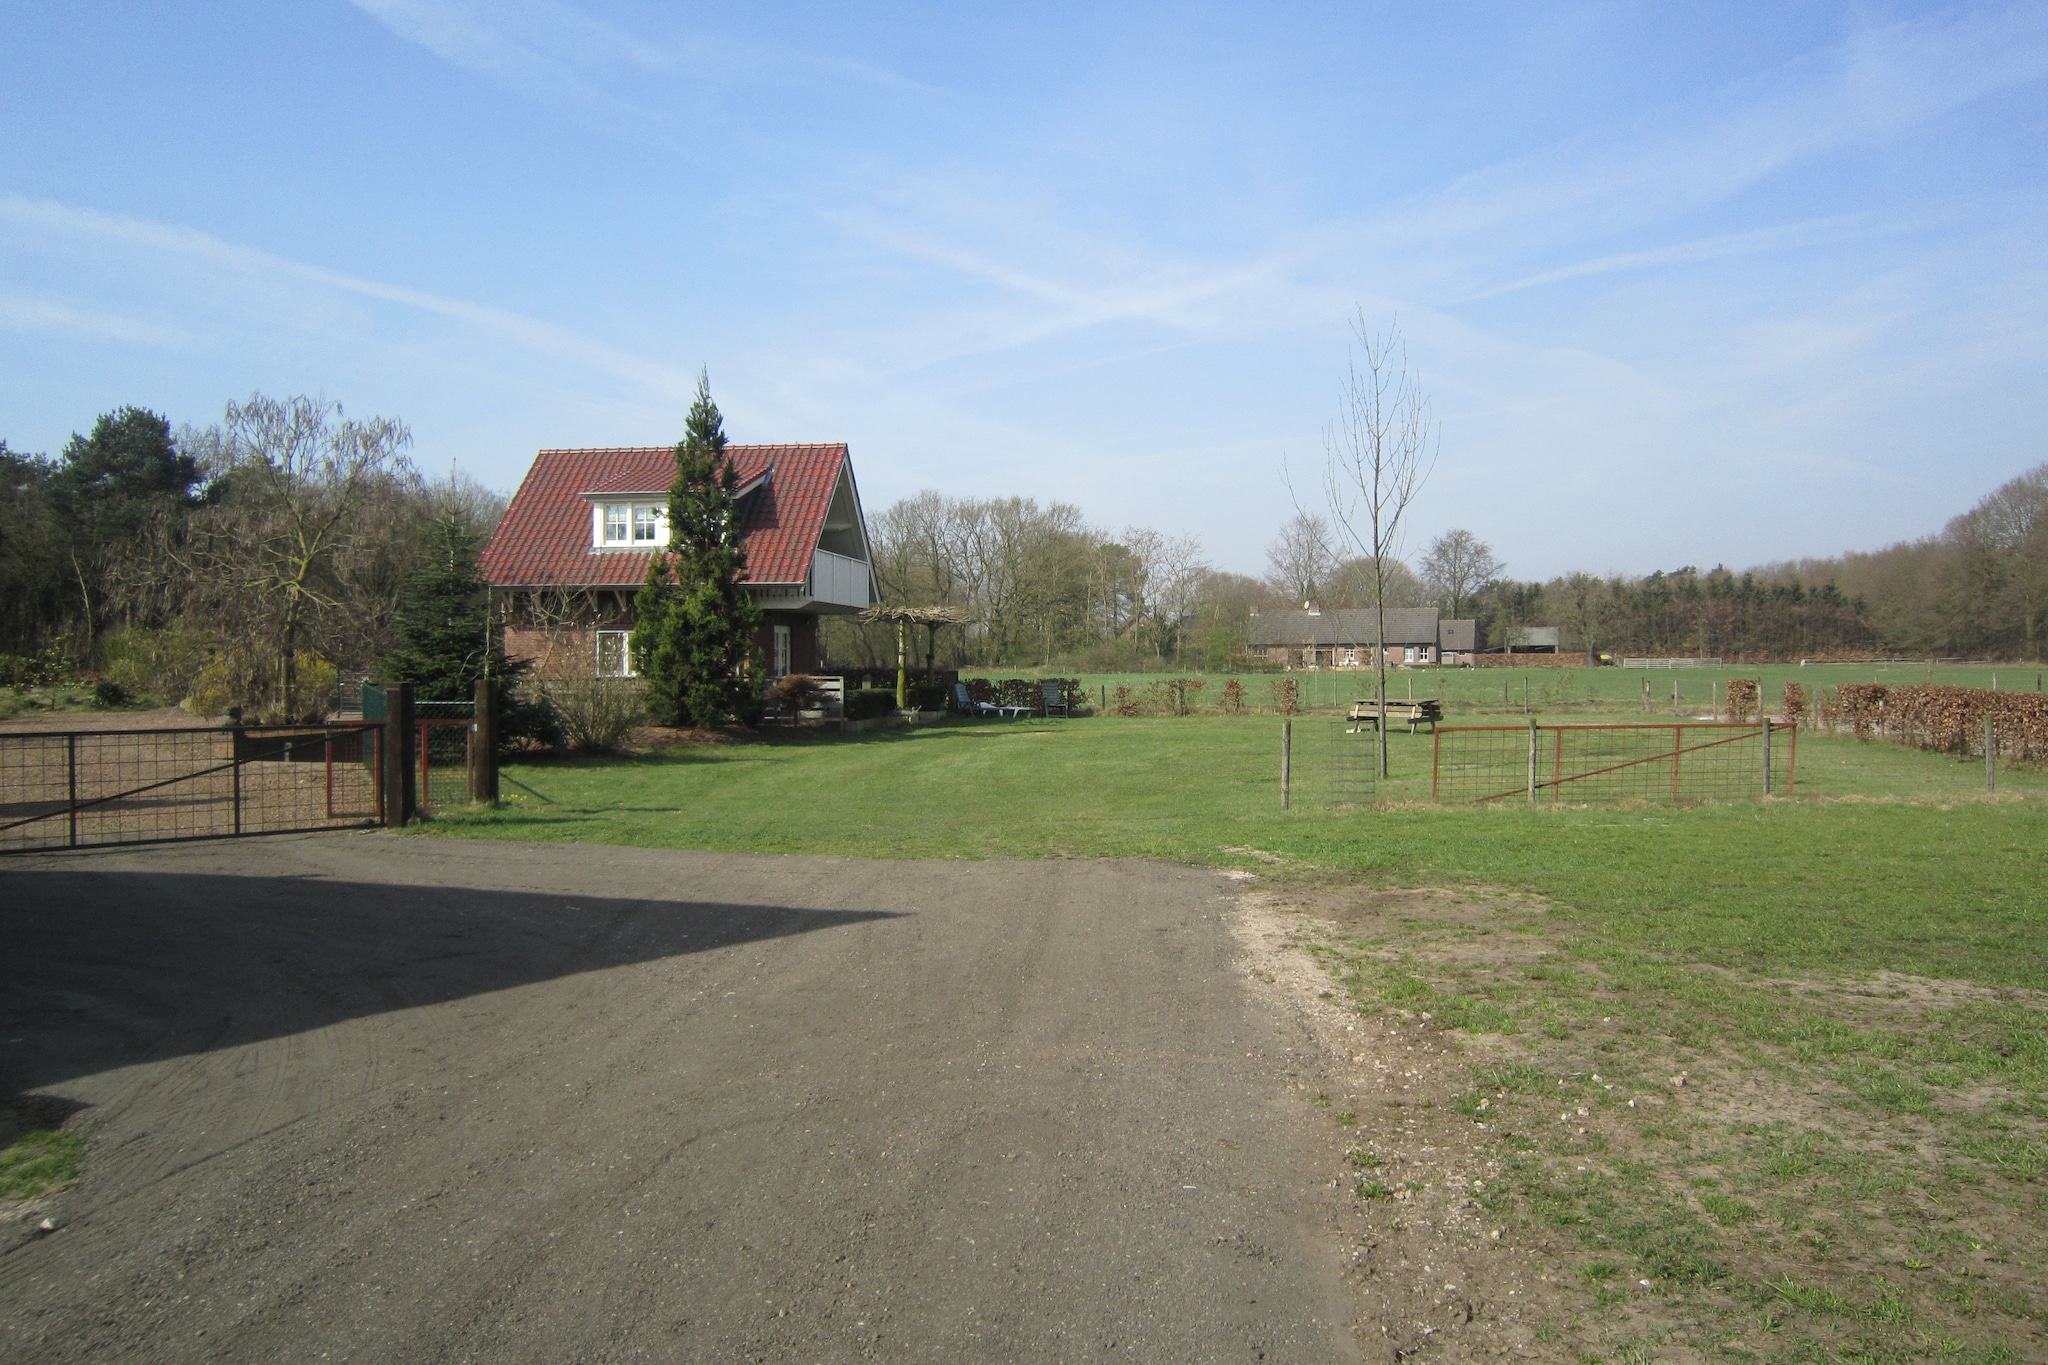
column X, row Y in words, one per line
column 1888, row 858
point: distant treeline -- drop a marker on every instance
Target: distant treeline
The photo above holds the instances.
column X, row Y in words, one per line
column 1042, row 587
column 1977, row 590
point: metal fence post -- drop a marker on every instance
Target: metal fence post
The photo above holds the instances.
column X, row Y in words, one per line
column 235, row 774
column 1532, row 755
column 1767, row 754
column 483, row 744
column 399, row 735
column 71, row 784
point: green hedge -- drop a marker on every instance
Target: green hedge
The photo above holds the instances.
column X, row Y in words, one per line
column 868, row 703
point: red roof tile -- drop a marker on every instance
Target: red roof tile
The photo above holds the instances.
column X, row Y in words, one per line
column 544, row 539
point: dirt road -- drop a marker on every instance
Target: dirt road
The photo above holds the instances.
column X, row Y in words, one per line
column 360, row 1097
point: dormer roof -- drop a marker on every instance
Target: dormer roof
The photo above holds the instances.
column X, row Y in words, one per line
column 544, row 540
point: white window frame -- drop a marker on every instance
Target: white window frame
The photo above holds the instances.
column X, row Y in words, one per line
column 780, row 667
column 620, row 525
column 624, row 639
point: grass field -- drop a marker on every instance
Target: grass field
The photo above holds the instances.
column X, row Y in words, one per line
column 1860, row 972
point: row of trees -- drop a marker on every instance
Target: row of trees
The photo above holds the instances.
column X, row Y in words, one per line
column 1978, row 589
column 1044, row 587
column 248, row 563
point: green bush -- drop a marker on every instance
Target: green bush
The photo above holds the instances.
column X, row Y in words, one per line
column 34, row 670
column 109, row 695
column 870, row 702
column 153, row 663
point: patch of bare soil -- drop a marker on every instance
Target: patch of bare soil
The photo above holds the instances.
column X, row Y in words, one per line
column 1549, row 1161
column 1433, row 1275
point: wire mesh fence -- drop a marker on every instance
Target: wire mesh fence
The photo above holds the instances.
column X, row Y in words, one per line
column 1354, row 764
column 1567, row 763
column 444, row 762
column 74, row 789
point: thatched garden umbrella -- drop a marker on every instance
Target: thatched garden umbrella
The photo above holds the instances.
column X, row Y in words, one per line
column 931, row 618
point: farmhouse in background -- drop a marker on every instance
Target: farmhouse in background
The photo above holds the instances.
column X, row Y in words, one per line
column 1532, row 640
column 575, row 544
column 1313, row 638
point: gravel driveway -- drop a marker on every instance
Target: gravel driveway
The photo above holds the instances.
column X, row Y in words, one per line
column 382, row 1098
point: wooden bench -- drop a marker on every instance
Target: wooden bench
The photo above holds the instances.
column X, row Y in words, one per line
column 1426, row 712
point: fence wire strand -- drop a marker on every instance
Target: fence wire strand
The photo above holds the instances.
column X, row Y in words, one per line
column 1583, row 763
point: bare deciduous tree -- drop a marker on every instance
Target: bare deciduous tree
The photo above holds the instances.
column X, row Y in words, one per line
column 298, row 476
column 1300, row 559
column 1457, row 566
column 1376, row 456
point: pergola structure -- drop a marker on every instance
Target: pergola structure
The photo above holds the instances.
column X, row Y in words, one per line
column 931, row 618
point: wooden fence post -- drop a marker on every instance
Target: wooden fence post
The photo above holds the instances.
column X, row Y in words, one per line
column 483, row 744
column 1990, row 754
column 1286, row 760
column 399, row 736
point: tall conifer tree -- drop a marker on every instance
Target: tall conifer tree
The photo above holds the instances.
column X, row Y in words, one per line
column 694, row 642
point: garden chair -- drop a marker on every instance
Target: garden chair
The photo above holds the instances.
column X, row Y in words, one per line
column 1055, row 701
column 970, row 707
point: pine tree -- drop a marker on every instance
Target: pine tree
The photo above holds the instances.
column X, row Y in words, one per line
column 695, row 639
column 441, row 623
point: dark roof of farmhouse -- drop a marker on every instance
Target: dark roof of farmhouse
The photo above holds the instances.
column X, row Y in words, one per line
column 544, row 539
column 1405, row 626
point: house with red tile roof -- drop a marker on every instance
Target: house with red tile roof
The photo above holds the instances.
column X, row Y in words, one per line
column 575, row 544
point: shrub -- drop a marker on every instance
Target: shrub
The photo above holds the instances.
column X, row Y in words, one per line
column 1862, row 706
column 1232, row 701
column 869, row 702
column 1173, row 695
column 1286, row 696
column 1122, row 703
column 596, row 714
column 527, row 723
column 238, row 678
column 109, row 695
column 794, row 692
column 930, row 696
column 34, row 670
column 1743, row 697
column 154, row 663
column 1795, row 704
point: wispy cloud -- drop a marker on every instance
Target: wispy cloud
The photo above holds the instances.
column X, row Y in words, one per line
column 1786, row 237
column 257, row 267
column 550, row 51
column 1879, row 84
column 47, row 317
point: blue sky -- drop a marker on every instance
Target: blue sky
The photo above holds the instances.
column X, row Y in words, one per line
column 1685, row 283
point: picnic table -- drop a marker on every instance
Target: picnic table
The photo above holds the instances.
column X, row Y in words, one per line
column 1427, row 711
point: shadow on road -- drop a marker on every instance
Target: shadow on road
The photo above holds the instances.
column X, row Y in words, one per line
column 104, row 969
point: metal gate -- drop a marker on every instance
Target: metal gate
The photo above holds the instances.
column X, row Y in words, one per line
column 1696, row 761
column 84, row 788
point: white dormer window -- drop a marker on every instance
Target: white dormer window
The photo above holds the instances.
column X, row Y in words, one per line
column 631, row 525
